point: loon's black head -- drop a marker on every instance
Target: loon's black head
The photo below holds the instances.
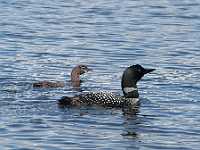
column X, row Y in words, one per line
column 130, row 78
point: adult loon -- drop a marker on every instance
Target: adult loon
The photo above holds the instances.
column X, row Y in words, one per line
column 75, row 79
column 129, row 81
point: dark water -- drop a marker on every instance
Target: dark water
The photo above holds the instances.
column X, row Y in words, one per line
column 43, row 40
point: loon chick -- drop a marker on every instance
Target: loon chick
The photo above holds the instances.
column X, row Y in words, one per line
column 129, row 81
column 75, row 79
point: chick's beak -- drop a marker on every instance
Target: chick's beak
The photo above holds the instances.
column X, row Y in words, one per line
column 88, row 69
column 85, row 70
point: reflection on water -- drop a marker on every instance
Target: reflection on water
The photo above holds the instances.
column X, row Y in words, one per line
column 44, row 40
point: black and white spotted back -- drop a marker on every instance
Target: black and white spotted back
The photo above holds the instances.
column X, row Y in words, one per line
column 102, row 99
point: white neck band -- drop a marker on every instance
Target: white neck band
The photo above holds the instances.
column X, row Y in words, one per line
column 129, row 89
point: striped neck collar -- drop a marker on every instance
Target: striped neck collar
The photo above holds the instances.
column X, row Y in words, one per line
column 130, row 89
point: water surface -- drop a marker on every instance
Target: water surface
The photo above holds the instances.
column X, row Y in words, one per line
column 43, row 40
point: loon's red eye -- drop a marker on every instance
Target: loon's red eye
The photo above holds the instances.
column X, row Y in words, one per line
column 139, row 70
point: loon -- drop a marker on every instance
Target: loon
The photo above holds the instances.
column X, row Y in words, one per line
column 130, row 77
column 75, row 79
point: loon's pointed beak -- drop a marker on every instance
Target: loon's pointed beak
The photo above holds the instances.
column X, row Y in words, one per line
column 148, row 70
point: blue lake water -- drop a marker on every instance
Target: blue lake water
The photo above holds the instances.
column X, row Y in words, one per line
column 43, row 40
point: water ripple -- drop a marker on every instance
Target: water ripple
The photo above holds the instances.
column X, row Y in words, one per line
column 44, row 40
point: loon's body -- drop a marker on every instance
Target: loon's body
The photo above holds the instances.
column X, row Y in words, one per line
column 131, row 97
column 105, row 99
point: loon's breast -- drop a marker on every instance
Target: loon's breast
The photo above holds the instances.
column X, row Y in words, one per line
column 105, row 99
